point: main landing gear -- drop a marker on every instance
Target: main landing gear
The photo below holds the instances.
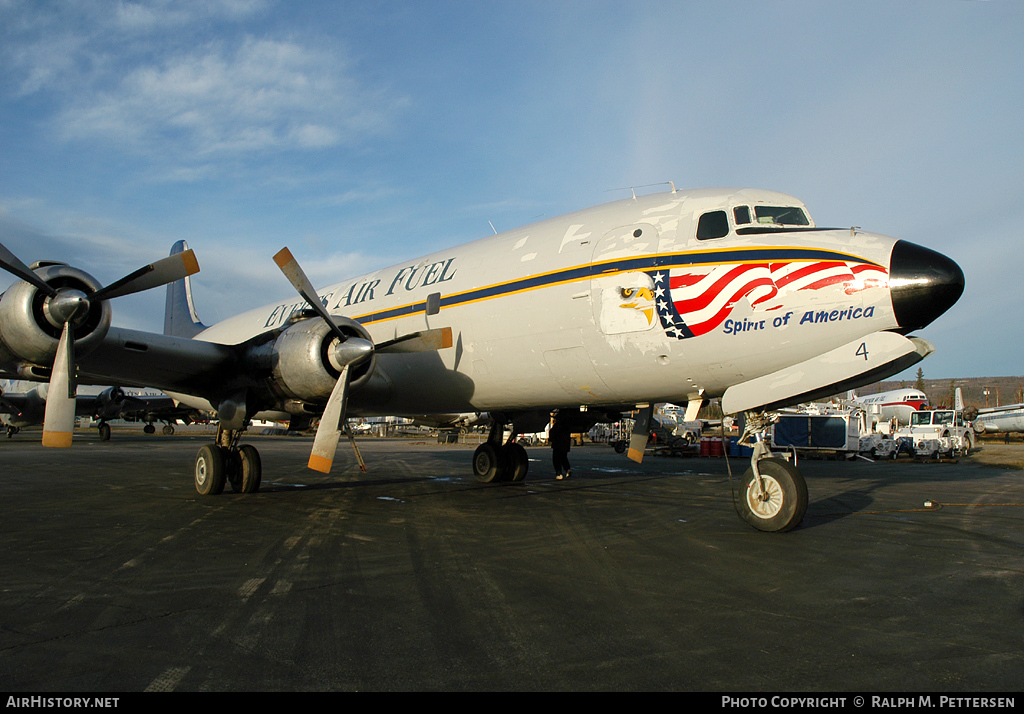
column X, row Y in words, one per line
column 496, row 461
column 772, row 495
column 226, row 462
column 104, row 430
column 168, row 429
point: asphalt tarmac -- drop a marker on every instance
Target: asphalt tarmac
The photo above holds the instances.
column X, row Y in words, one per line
column 118, row 577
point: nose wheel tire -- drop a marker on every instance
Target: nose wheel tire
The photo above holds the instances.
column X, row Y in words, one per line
column 780, row 504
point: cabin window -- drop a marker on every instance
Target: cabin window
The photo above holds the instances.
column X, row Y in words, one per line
column 741, row 214
column 713, row 225
column 781, row 215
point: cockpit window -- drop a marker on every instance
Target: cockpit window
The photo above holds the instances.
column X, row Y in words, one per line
column 713, row 225
column 741, row 214
column 781, row 215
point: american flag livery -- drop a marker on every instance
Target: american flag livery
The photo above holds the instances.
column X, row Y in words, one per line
column 694, row 300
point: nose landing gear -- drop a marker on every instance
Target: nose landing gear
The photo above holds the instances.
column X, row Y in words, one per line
column 772, row 496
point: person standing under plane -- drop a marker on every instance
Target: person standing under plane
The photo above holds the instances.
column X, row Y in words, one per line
column 560, row 438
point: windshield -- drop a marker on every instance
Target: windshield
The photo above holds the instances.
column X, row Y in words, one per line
column 923, row 418
column 781, row 215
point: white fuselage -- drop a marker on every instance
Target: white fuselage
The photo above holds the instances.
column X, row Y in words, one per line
column 1000, row 419
column 898, row 404
column 587, row 309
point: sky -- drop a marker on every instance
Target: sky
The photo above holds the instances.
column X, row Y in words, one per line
column 361, row 134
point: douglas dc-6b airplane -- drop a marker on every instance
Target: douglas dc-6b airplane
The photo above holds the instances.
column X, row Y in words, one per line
column 25, row 409
column 898, row 404
column 671, row 297
column 1005, row 419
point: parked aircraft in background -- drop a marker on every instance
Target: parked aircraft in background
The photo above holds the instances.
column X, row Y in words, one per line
column 898, row 404
column 670, row 297
column 24, row 409
column 1000, row 420
column 460, row 423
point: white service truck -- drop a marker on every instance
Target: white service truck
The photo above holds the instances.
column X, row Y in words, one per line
column 938, row 432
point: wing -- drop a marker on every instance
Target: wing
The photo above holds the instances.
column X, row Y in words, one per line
column 133, row 358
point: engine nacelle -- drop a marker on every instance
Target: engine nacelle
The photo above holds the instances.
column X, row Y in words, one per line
column 109, row 403
column 30, row 333
column 303, row 359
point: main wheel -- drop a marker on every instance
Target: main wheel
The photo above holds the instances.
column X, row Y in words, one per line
column 168, row 430
column 210, row 473
column 104, row 430
column 968, row 443
column 248, row 469
column 489, row 463
column 783, row 503
column 518, row 461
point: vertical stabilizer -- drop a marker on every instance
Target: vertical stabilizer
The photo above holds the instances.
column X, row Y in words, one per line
column 180, row 319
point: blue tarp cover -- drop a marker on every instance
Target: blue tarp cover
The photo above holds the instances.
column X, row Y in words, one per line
column 821, row 432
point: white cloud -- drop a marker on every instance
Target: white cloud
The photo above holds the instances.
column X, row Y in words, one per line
column 179, row 79
column 262, row 95
column 157, row 15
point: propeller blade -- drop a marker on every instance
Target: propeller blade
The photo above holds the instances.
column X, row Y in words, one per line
column 6, row 406
column 59, row 415
column 293, row 271
column 173, row 267
column 10, row 262
column 426, row 341
column 325, row 443
column 641, row 433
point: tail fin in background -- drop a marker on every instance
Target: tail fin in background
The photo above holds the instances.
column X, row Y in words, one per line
column 958, row 400
column 180, row 319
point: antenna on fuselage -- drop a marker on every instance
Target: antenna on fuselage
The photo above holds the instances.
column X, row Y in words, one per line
column 632, row 189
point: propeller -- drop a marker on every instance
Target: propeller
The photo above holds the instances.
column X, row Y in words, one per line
column 59, row 415
column 9, row 262
column 8, row 406
column 641, row 433
column 67, row 307
column 349, row 352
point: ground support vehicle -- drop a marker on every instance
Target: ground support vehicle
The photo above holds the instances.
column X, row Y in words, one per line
column 936, row 433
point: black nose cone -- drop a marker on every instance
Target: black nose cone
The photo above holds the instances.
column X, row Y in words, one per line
column 923, row 283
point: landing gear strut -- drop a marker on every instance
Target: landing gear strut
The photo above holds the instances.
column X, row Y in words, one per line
column 773, row 494
column 226, row 462
column 495, row 461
